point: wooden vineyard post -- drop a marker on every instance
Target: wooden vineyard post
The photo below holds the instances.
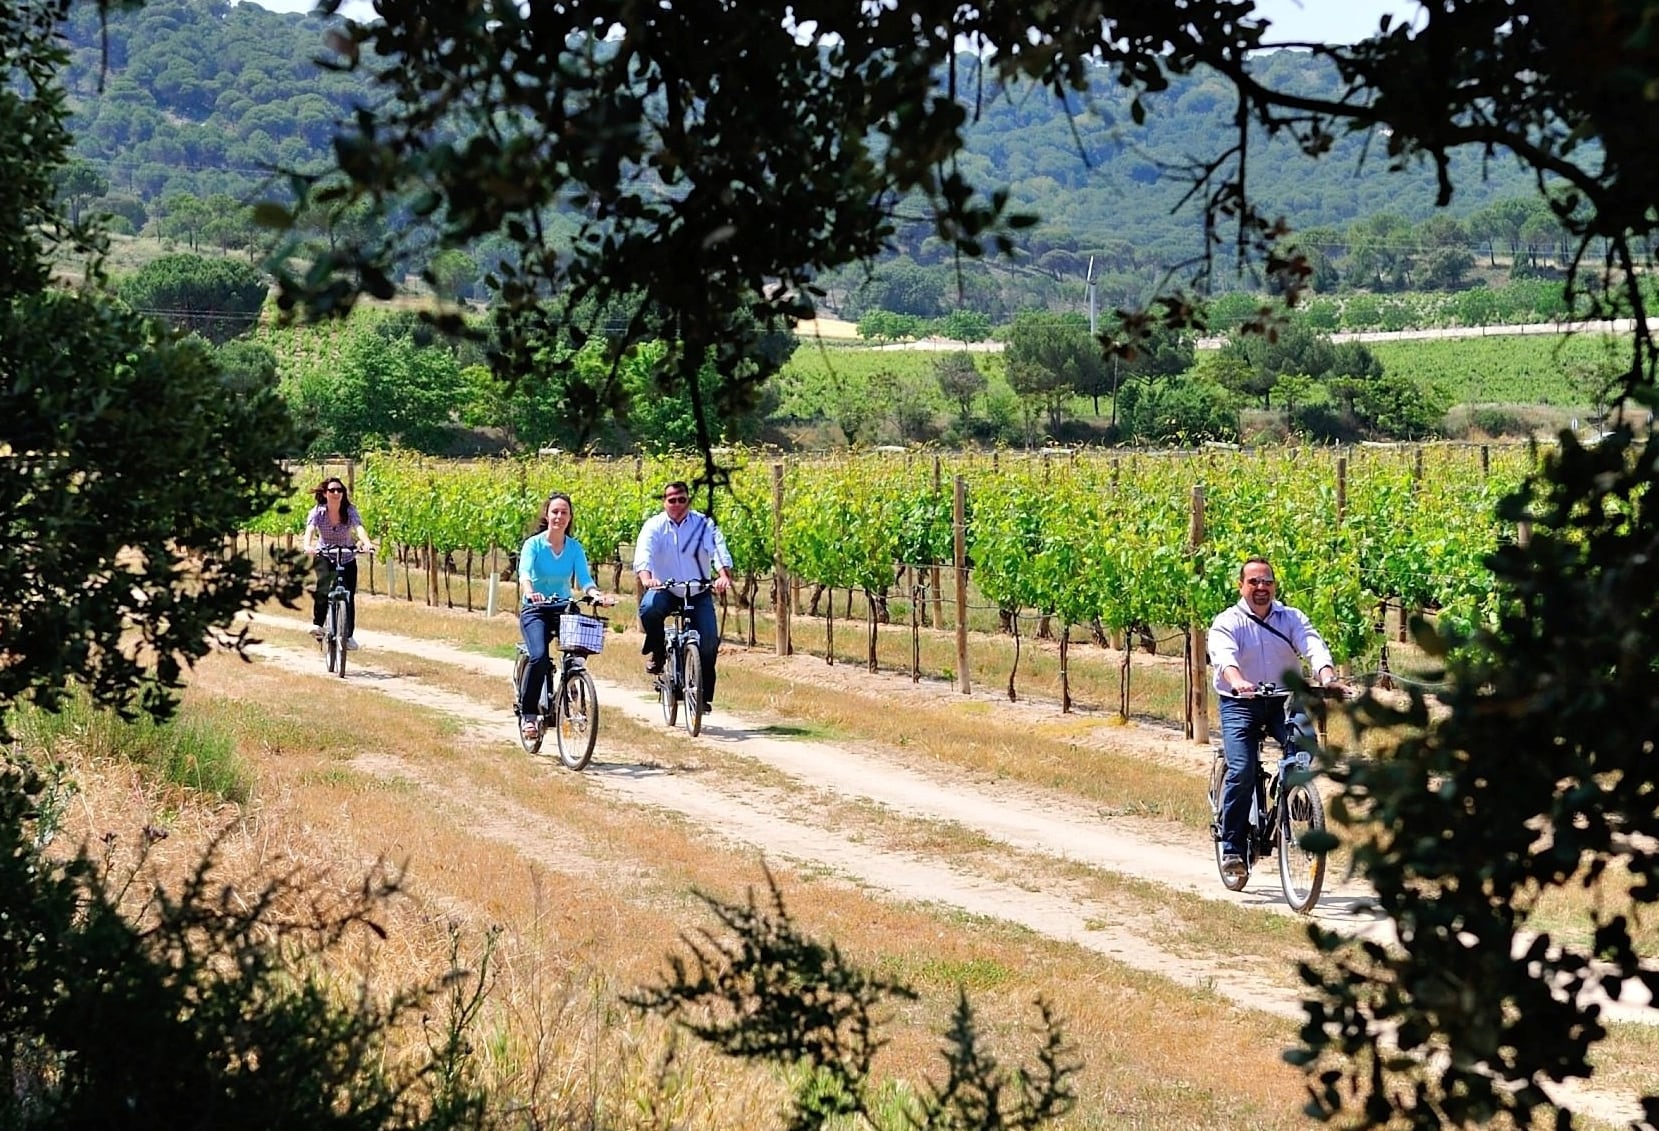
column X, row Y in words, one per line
column 782, row 602
column 938, row 579
column 1341, row 488
column 494, row 585
column 1198, row 701
column 960, row 555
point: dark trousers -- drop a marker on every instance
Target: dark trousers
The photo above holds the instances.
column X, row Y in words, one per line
column 540, row 626
column 325, row 581
column 654, row 610
column 1244, row 723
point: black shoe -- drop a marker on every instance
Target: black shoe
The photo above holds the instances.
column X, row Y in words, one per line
column 653, row 666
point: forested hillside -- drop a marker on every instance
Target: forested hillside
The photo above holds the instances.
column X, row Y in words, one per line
column 185, row 109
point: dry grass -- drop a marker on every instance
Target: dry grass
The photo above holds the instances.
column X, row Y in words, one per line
column 590, row 897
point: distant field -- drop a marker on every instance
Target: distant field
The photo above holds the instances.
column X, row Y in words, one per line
column 1526, row 369
column 1517, row 369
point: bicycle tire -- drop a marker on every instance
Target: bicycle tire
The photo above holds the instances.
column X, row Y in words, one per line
column 334, row 652
column 576, row 719
column 1301, row 872
column 531, row 745
column 1218, row 778
column 667, row 690
column 691, row 687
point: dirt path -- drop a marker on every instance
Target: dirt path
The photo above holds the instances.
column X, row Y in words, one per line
column 774, row 821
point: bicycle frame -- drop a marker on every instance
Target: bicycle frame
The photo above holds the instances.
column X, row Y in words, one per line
column 334, row 630
column 568, row 683
column 682, row 640
column 1283, row 798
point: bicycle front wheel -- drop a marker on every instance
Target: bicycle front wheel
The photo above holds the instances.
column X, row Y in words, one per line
column 666, row 687
column 576, row 719
column 691, row 681
column 334, row 641
column 1218, row 778
column 1301, row 871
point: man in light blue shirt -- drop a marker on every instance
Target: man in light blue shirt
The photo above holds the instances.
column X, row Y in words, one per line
column 681, row 544
column 1258, row 640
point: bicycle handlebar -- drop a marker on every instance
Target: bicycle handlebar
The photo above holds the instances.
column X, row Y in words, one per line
column 703, row 585
column 593, row 601
column 1271, row 690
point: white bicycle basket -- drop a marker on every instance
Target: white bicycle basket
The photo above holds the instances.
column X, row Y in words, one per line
column 581, row 634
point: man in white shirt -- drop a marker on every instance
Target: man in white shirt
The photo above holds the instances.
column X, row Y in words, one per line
column 1259, row 640
column 681, row 544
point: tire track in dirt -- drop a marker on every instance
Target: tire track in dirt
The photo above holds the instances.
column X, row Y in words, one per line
column 770, row 820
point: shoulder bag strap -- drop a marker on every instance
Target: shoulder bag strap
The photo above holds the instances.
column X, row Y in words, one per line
column 1263, row 622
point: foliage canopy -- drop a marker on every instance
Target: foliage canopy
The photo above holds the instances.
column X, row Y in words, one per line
column 707, row 201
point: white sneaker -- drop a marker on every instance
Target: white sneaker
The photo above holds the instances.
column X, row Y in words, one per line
column 351, row 643
column 317, row 631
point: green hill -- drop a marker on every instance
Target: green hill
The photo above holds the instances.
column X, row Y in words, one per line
column 195, row 100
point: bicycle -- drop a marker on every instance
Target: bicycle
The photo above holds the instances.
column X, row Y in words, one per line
column 1285, row 807
column 568, row 703
column 334, row 636
column 682, row 671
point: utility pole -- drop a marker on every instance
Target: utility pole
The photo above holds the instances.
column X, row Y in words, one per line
column 1088, row 281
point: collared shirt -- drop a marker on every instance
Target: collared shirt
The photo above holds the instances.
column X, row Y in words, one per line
column 1238, row 639
column 542, row 571
column 683, row 551
column 342, row 534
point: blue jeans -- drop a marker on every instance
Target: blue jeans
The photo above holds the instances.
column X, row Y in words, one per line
column 1244, row 723
column 540, row 626
column 654, row 610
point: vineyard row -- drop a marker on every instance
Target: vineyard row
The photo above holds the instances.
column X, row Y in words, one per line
column 1122, row 542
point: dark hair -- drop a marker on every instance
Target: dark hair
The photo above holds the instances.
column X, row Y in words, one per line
column 1248, row 562
column 541, row 515
column 677, row 485
column 320, row 493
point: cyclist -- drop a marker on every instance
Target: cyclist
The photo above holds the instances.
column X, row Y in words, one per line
column 334, row 522
column 681, row 544
column 551, row 566
column 1256, row 641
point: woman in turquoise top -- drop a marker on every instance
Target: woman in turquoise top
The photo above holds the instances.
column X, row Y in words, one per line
column 552, row 569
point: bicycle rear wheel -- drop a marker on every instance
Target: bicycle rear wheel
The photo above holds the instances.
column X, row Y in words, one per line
column 1301, row 871
column 691, row 681
column 531, row 744
column 1218, row 777
column 576, row 719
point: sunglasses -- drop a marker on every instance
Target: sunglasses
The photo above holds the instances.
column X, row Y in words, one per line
column 334, row 490
column 675, row 499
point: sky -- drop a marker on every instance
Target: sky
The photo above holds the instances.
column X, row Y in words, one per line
column 1331, row 21
column 1324, row 21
